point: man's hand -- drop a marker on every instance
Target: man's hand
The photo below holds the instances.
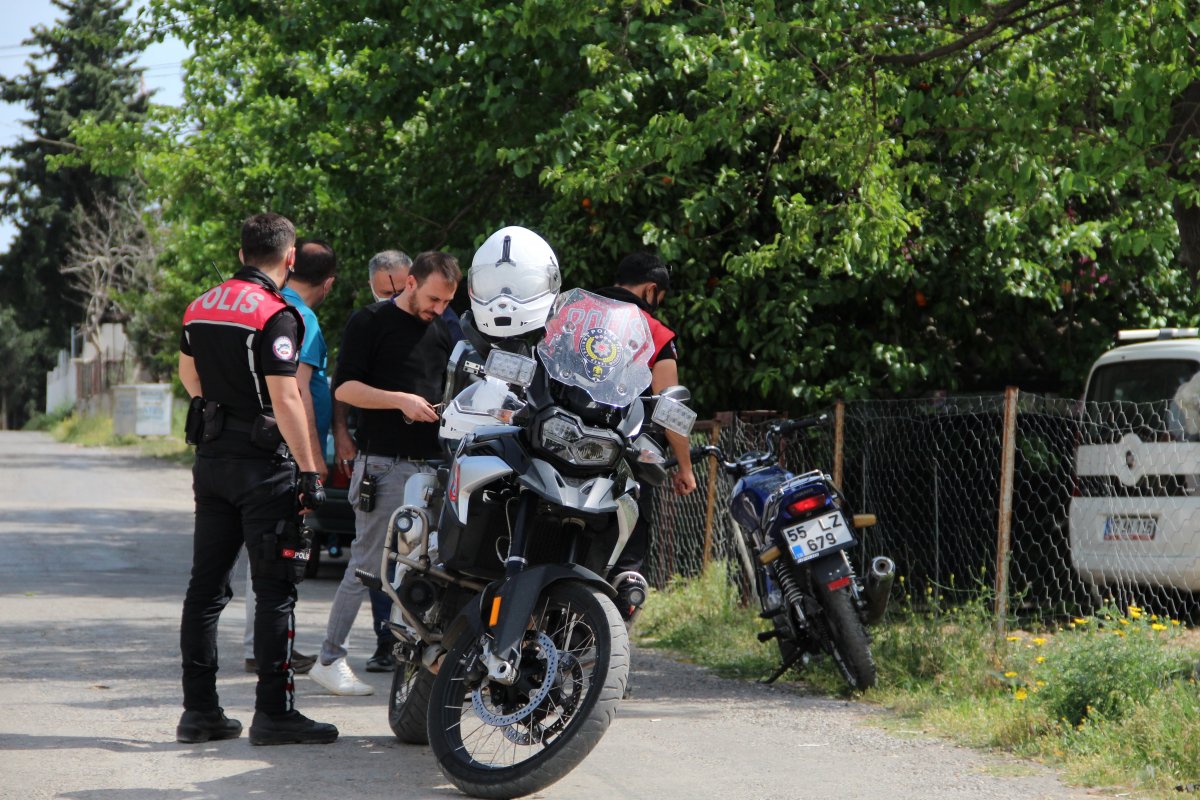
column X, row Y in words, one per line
column 416, row 408
column 683, row 481
column 346, row 451
column 312, row 493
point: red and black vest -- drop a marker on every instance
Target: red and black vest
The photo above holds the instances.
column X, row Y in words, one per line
column 237, row 338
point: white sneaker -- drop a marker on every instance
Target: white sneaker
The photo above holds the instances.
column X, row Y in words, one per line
column 339, row 679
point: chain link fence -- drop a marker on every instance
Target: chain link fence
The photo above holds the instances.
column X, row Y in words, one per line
column 1094, row 502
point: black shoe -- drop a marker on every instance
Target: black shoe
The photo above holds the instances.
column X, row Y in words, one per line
column 382, row 661
column 290, row 728
column 204, row 726
column 301, row 664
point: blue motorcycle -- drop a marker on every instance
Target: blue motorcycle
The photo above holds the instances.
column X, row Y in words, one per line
column 799, row 528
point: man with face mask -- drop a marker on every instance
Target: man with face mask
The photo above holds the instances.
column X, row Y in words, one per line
column 391, row 367
column 644, row 280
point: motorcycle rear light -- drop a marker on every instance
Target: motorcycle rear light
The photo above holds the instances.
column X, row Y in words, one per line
column 839, row 583
column 807, row 504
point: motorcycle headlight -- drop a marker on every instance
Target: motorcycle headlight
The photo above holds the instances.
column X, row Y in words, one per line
column 568, row 439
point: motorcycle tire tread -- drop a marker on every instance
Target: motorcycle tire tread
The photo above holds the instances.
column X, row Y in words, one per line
column 408, row 718
column 537, row 774
column 849, row 638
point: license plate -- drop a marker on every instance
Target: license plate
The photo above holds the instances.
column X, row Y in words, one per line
column 815, row 536
column 1136, row 529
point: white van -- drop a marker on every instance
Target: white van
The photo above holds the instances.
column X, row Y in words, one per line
column 1135, row 511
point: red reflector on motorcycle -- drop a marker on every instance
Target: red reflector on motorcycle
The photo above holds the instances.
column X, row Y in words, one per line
column 807, row 504
column 288, row 553
column 833, row 586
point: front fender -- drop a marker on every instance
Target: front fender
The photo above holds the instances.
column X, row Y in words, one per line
column 518, row 596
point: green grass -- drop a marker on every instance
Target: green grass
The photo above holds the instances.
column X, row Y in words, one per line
column 96, row 430
column 1111, row 699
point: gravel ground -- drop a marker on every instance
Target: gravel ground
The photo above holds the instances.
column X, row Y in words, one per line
column 96, row 548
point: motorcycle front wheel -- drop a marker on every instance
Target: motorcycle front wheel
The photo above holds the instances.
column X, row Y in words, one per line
column 498, row 741
column 408, row 703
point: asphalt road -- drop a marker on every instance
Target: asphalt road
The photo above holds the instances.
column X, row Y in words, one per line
column 94, row 556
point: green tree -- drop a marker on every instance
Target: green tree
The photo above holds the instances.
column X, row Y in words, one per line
column 859, row 198
column 83, row 65
column 20, row 350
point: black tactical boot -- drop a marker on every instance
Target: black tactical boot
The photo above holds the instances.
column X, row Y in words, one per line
column 290, row 728
column 203, row 726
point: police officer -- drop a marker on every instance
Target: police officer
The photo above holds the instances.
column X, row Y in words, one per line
column 238, row 361
column 644, row 280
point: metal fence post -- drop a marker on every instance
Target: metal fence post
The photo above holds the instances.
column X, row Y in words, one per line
column 839, row 431
column 1008, row 458
column 714, row 437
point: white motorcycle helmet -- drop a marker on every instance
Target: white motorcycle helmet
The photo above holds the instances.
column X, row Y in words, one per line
column 513, row 281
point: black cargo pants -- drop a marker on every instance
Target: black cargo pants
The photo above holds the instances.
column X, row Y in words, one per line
column 238, row 502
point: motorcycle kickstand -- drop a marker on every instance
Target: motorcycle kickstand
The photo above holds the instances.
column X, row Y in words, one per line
column 786, row 666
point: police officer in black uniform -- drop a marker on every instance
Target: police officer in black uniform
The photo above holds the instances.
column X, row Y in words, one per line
column 238, row 361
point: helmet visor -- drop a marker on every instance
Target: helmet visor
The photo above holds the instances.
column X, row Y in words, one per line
column 486, row 282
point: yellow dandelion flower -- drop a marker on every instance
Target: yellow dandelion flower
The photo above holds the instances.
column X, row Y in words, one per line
column 1020, row 694
column 1135, row 613
column 1040, row 659
column 1010, row 674
column 1119, row 633
column 1153, row 617
column 1080, row 621
column 1126, row 622
column 1175, row 622
column 1013, row 638
column 1158, row 626
column 1133, row 608
column 1039, row 641
column 1041, row 683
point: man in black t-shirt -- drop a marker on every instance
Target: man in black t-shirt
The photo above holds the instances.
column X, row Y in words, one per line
column 391, row 367
column 238, row 360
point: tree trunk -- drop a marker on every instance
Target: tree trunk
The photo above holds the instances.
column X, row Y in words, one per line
column 1185, row 126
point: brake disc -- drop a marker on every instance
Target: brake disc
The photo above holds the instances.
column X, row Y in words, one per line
column 549, row 653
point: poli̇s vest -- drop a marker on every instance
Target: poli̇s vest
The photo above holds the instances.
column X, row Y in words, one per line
column 224, row 329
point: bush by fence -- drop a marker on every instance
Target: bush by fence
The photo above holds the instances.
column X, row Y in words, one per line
column 960, row 518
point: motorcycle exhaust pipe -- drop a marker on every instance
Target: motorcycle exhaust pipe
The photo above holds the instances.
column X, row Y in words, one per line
column 878, row 591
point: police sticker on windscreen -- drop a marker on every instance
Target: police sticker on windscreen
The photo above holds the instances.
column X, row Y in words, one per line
column 599, row 349
column 283, row 348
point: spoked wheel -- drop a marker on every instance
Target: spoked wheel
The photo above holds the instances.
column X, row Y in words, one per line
column 498, row 741
column 849, row 645
column 408, row 703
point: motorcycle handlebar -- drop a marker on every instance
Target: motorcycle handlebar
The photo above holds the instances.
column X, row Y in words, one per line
column 777, row 429
column 789, row 425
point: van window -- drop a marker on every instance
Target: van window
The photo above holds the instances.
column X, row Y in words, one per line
column 1140, row 381
column 1159, row 399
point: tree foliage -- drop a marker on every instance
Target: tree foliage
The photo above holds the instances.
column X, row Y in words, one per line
column 83, row 65
column 859, row 198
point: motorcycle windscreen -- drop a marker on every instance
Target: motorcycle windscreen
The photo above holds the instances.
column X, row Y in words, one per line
column 599, row 345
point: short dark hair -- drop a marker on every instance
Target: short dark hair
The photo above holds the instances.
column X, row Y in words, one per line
column 315, row 261
column 432, row 261
column 266, row 238
column 644, row 267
